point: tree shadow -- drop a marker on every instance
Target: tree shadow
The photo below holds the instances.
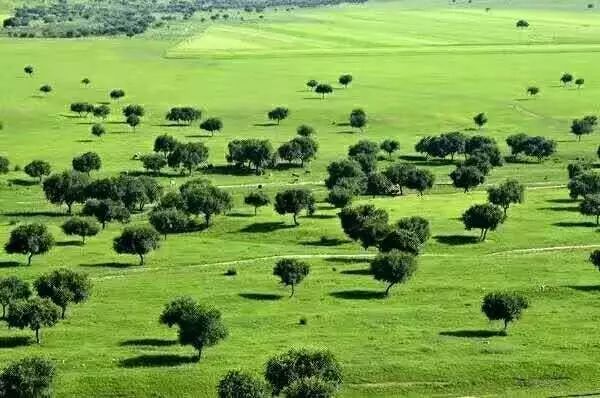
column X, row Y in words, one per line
column 240, row 215
column 585, row 288
column 265, row 124
column 357, row 272
column 358, row 295
column 9, row 264
column 199, row 136
column 348, row 260
column 115, row 122
column 160, row 360
column 474, row 333
column 229, row 170
column 325, row 242
column 516, row 160
column 148, row 342
column 561, row 209
column 413, row 158
column 287, row 166
column 343, row 124
column 14, row 341
column 67, row 116
column 22, row 182
column 456, row 240
column 69, row 243
column 112, row 264
column 172, row 125
column 312, row 98
column 84, row 141
column 346, row 132
column 261, row 296
column 266, row 227
column 322, row 216
column 34, row 214
column 561, row 200
column 86, row 123
column 570, row 224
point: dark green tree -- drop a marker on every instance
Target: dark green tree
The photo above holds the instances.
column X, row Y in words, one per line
column 393, row 268
column 305, row 131
column 507, row 193
column 480, row 119
column 106, row 210
column 64, row 287
column 590, row 206
column 311, row 84
column 12, row 288
column 153, row 162
column 323, row 89
column 358, row 119
column 189, row 156
column 33, row 313
column 257, row 199
column 81, row 227
column 390, row 146
column 165, row 144
column 98, row 130
column 38, row 169
column 278, row 114
column 236, row 384
column 293, row 201
column 69, row 187
column 345, row 80
column 211, row 125
column 28, row 378
column 291, row 272
column 138, row 240
column 502, row 306
column 133, row 121
column 417, row 225
column 485, row 217
column 207, row 200
column 467, row 177
column 30, row 240
column 169, row 221
column 87, row 162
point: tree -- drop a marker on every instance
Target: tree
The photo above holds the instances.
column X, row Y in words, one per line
column 401, row 240
column 378, row 184
column 171, row 200
column 4, row 165
column 533, row 90
column 299, row 148
column 566, row 78
column 30, row 240
column 236, row 384
column 211, row 125
column 480, row 119
column 82, row 108
column 134, row 109
column 390, row 146
column 501, row 306
column 340, row 197
column 420, row 180
column 38, row 169
column 366, row 147
column 522, row 24
column 595, row 259
column 101, row 111
column 154, row 162
column 291, row 272
column 86, row 81
column 358, row 119
column 12, row 289
column 199, row 326
column 117, row 94
column 80, row 227
column 87, row 162
column 485, row 217
column 511, row 191
column 138, row 240
column 467, row 177
column 46, row 89
column 189, row 156
column 169, row 221
column 345, row 169
column 254, row 152
column 362, row 222
column 298, row 364
column 399, row 174
column 165, row 144
column 185, row 114
column 28, row 70
column 257, row 199
column 579, row 82
column 63, row 287
column 539, row 147
column 98, row 130
column 590, row 206
column 278, row 114
column 28, row 378
column 482, row 145
column 581, row 127
column 393, row 268
column 106, row 210
column 417, row 225
column 293, row 201
column 577, row 168
column 206, row 199
column 305, row 131
column 345, row 80
column 586, row 183
column 311, row 84
column 323, row 89
column 133, row 121
column 34, row 313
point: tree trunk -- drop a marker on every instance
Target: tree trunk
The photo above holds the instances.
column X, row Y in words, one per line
column 103, row 225
column 37, row 335
column 199, row 352
column 255, row 210
column 597, row 219
column 207, row 219
column 505, row 325
column 387, row 290
column 3, row 311
column 484, row 235
column 141, row 259
column 505, row 210
column 69, row 205
column 29, row 258
column 64, row 310
column 83, row 239
column 292, row 295
column 295, row 220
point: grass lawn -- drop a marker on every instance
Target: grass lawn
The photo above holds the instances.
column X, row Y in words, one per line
column 420, row 68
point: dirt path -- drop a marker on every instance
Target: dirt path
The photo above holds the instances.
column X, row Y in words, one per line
column 543, row 249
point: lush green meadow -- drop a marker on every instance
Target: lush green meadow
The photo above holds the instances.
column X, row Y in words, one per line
column 420, row 68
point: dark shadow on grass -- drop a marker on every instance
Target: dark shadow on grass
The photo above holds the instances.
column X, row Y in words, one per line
column 585, row 288
column 199, row 136
column 346, row 132
column 348, row 260
column 110, row 265
column 115, row 122
column 575, row 395
column 261, row 296
column 87, row 123
column 312, row 98
column 148, row 342
column 474, row 333
column 14, row 341
column 84, row 141
column 322, row 216
column 561, row 209
column 229, row 170
column 561, row 200
column 325, row 242
column 343, row 124
column 171, row 125
column 357, row 272
column 456, row 240
column 143, row 361
column 516, row 160
column 9, row 264
column 138, row 173
column 23, row 183
column 34, row 214
column 266, row 227
column 358, row 295
column 570, row 224
column 265, row 124
column 240, row 215
column 71, row 116
column 69, row 243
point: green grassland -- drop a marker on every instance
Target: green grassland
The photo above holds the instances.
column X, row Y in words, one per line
column 420, row 68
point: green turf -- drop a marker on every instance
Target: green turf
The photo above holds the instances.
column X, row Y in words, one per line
column 420, row 68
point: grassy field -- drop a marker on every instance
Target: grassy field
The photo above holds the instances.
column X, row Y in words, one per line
column 420, row 68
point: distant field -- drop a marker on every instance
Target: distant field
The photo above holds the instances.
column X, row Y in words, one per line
column 420, row 68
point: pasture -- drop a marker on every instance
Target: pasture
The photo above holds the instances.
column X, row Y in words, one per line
column 420, row 68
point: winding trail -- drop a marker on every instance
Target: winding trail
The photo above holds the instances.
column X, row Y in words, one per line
column 542, row 249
